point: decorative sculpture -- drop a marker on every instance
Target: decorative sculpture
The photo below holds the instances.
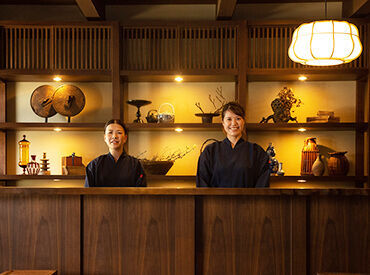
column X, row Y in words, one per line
column 282, row 105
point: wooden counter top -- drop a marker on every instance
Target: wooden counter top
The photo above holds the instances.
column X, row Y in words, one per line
column 186, row 191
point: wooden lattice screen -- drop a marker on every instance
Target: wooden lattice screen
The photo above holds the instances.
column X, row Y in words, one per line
column 209, row 48
column 82, row 48
column 51, row 47
column 27, row 47
column 168, row 48
column 268, row 48
column 149, row 48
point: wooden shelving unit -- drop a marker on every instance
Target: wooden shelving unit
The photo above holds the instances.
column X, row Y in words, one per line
column 246, row 53
column 49, row 126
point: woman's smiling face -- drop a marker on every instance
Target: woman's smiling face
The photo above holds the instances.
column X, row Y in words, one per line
column 115, row 136
column 233, row 124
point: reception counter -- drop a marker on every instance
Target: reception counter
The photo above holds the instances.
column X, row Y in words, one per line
column 180, row 231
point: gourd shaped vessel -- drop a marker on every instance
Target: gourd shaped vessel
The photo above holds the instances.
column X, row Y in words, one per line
column 338, row 164
column 310, row 152
column 33, row 168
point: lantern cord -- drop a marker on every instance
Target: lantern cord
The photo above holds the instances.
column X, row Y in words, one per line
column 326, row 8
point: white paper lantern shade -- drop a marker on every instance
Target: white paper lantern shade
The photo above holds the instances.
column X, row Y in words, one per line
column 325, row 43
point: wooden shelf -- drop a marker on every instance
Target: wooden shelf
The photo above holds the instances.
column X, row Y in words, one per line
column 342, row 126
column 173, row 126
column 192, row 178
column 312, row 74
column 255, row 127
column 34, row 75
column 40, row 177
column 226, row 75
column 35, row 126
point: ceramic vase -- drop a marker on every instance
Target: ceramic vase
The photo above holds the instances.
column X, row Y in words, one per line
column 318, row 167
column 338, row 164
column 310, row 152
column 33, row 168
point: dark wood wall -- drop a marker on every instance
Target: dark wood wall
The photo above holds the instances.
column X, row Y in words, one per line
column 195, row 232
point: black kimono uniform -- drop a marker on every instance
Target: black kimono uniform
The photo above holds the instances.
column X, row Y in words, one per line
column 105, row 172
column 245, row 165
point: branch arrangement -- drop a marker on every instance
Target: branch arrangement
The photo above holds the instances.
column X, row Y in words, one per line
column 218, row 98
column 168, row 155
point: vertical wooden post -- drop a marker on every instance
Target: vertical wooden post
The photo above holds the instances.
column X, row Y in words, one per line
column 117, row 92
column 360, row 115
column 241, row 88
column 368, row 129
column 2, row 133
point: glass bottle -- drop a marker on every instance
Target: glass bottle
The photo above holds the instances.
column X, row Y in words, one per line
column 24, row 153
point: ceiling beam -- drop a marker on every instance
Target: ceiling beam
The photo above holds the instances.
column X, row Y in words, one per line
column 356, row 8
column 92, row 9
column 225, row 9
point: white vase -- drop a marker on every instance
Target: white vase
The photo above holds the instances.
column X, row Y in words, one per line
column 318, row 167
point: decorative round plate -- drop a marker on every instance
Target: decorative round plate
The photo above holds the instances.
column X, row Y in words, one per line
column 138, row 102
column 68, row 100
column 42, row 101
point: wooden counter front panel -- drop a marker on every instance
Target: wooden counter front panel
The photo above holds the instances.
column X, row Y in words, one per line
column 138, row 235
column 247, row 235
column 340, row 234
column 40, row 232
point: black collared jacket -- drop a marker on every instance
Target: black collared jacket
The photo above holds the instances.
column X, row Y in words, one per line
column 245, row 165
column 105, row 172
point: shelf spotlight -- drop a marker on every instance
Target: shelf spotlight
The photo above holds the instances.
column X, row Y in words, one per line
column 57, row 129
column 178, row 79
column 302, row 78
column 57, row 78
column 302, row 129
column 179, row 130
column 301, row 181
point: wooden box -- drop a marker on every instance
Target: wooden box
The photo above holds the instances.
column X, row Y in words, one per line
column 71, row 161
column 74, row 170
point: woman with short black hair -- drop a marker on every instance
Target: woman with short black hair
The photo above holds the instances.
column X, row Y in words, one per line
column 117, row 168
column 233, row 162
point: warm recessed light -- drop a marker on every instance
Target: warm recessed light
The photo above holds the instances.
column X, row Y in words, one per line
column 301, row 181
column 179, row 130
column 57, row 78
column 179, row 78
column 302, row 129
column 302, row 78
column 57, row 129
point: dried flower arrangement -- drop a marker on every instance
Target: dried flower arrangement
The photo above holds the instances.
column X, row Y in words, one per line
column 168, row 155
column 159, row 164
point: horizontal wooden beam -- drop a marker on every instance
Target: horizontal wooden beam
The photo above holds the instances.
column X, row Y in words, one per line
column 225, row 9
column 92, row 9
column 356, row 8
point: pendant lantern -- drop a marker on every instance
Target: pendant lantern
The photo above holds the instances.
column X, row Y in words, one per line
column 325, row 43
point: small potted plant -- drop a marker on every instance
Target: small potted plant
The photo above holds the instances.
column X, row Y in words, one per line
column 207, row 117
